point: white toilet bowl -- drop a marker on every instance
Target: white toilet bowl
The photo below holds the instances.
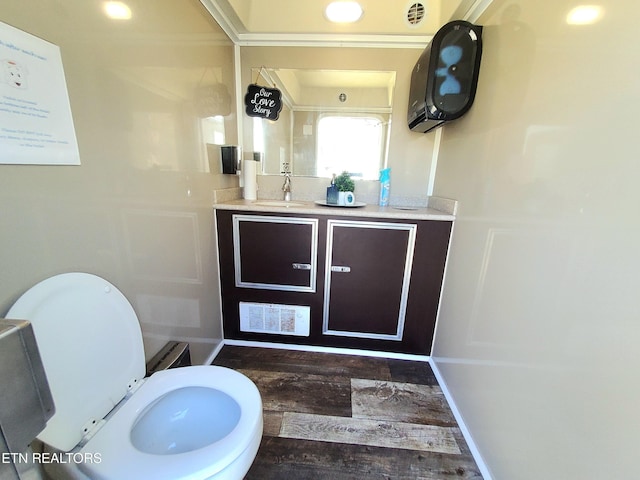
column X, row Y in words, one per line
column 191, row 422
column 199, row 422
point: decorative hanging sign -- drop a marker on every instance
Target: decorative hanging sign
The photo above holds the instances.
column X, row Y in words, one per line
column 263, row 102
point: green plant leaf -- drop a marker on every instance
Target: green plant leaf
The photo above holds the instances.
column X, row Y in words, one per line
column 345, row 183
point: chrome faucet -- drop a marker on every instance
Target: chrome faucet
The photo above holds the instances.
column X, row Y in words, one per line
column 286, row 187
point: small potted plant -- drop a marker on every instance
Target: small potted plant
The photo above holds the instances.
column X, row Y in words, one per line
column 346, row 186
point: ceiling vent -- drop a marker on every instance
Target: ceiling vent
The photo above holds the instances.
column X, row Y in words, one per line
column 416, row 13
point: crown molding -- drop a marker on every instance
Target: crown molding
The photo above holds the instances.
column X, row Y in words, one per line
column 332, row 40
column 221, row 17
column 475, row 10
column 469, row 10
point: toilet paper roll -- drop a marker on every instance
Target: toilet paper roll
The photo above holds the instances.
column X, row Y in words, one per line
column 249, row 177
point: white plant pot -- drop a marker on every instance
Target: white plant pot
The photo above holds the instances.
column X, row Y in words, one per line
column 346, row 198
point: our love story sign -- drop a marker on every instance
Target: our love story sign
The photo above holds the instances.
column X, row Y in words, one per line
column 263, row 102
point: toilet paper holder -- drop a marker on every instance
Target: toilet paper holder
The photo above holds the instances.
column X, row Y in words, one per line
column 26, row 403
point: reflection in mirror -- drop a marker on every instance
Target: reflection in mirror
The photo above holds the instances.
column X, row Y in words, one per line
column 179, row 114
column 331, row 121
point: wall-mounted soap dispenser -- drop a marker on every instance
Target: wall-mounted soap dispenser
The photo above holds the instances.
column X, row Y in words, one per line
column 26, row 402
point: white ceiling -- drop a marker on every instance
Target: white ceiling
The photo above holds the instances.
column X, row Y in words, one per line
column 302, row 22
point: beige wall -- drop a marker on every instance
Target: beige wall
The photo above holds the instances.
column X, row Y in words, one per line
column 137, row 211
column 538, row 332
column 410, row 153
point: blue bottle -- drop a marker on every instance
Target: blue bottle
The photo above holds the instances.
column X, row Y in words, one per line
column 385, row 182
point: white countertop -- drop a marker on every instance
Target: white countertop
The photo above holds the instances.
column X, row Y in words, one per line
column 312, row 208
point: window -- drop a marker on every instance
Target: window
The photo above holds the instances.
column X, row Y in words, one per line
column 352, row 143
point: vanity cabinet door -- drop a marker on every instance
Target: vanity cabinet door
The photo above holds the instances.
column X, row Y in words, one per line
column 275, row 253
column 368, row 271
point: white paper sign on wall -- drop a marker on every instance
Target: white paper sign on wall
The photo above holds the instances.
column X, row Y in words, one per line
column 36, row 126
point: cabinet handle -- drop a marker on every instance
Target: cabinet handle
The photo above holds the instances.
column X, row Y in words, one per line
column 340, row 268
column 302, row 266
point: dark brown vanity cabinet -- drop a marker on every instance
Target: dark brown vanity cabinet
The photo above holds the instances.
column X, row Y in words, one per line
column 350, row 282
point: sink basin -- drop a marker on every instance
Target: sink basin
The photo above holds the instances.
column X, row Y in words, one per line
column 277, row 203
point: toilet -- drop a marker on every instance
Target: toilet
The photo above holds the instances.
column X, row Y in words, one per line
column 198, row 422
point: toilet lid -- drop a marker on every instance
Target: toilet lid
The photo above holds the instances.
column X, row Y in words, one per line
column 91, row 347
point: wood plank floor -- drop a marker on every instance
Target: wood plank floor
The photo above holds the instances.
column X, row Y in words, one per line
column 344, row 417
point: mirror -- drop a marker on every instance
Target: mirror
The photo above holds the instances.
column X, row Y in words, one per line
column 331, row 121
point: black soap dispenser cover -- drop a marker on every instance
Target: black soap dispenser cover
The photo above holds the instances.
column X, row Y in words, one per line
column 332, row 192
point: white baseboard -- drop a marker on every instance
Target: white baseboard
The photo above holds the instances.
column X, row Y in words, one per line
column 336, row 350
column 482, row 466
column 214, row 353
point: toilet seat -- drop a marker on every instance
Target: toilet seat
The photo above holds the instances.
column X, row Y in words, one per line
column 91, row 347
column 120, row 459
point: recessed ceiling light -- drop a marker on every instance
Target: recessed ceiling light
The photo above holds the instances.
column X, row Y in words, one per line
column 117, row 10
column 343, row 12
column 584, row 15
